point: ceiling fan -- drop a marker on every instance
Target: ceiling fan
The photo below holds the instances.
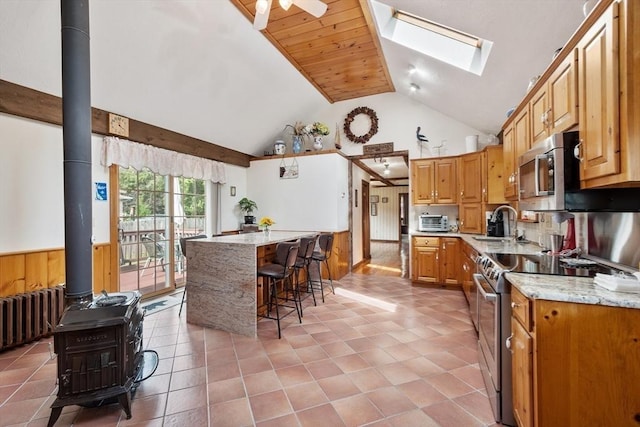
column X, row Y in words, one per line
column 316, row 8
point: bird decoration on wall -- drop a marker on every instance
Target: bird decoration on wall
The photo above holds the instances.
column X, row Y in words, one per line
column 422, row 140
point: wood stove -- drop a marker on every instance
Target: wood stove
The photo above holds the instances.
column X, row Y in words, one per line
column 99, row 348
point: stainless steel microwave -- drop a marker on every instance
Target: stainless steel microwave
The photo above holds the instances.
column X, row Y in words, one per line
column 547, row 172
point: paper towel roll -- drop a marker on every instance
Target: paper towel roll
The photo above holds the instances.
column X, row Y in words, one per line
column 472, row 143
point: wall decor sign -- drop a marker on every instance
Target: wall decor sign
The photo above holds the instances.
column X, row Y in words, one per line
column 374, row 209
column 289, row 171
column 385, row 147
column 374, row 199
column 101, row 191
column 385, row 200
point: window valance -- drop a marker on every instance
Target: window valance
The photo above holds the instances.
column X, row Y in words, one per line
column 127, row 153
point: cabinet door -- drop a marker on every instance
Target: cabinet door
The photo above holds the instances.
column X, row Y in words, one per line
column 494, row 175
column 471, row 218
column 522, row 371
column 539, row 105
column 509, row 151
column 522, row 135
column 563, row 96
column 446, row 181
column 422, row 174
column 471, row 178
column 425, row 265
column 449, row 261
column 598, row 97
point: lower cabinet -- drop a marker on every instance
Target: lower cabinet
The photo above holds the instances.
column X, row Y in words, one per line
column 574, row 365
column 469, row 256
column 435, row 260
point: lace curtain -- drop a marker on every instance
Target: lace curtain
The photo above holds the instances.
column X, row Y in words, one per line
column 127, row 153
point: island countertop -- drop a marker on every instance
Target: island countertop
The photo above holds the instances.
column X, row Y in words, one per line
column 259, row 238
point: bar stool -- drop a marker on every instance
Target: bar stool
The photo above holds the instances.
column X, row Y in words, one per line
column 325, row 244
column 281, row 270
column 307, row 245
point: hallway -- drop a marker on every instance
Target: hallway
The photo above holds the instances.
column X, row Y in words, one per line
column 378, row 353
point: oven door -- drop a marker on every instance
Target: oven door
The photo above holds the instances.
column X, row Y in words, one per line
column 489, row 330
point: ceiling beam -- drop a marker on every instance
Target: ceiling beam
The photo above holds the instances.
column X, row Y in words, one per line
column 374, row 174
column 32, row 104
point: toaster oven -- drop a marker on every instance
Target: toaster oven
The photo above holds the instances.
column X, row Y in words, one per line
column 433, row 223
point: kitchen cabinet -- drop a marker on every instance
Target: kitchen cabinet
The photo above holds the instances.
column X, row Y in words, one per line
column 599, row 99
column 449, row 260
column 469, row 256
column 470, row 178
column 425, row 262
column 471, row 218
column 574, row 364
column 554, row 107
column 493, row 176
column 435, row 260
column 521, row 135
column 509, row 156
column 434, row 181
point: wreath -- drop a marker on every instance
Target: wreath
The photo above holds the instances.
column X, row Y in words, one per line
column 363, row 139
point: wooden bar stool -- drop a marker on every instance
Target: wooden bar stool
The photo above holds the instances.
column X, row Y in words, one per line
column 280, row 271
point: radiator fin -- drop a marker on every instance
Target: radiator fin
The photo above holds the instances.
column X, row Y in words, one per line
column 30, row 316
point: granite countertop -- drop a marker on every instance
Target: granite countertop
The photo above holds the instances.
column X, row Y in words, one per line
column 541, row 286
column 258, row 239
column 570, row 289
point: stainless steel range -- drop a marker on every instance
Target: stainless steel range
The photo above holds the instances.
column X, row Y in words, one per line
column 494, row 316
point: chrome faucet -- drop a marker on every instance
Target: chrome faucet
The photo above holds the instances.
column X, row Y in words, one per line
column 494, row 217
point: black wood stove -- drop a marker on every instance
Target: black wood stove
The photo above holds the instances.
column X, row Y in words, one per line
column 99, row 347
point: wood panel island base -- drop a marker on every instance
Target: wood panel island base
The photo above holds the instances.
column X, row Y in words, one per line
column 222, row 279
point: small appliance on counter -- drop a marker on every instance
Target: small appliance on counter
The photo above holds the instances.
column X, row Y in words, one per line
column 495, row 228
column 428, row 222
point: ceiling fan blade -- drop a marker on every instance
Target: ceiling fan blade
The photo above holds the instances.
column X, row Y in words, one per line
column 314, row 7
column 261, row 19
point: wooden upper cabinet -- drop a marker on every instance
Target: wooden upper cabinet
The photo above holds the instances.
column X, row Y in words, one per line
column 434, row 181
column 509, row 157
column 494, row 175
column 540, row 111
column 563, row 96
column 598, row 98
column 471, row 218
column 471, row 178
column 554, row 107
column 522, row 134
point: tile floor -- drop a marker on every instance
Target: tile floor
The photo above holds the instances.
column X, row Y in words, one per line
column 411, row 363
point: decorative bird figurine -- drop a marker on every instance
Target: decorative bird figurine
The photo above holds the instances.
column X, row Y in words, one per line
column 421, row 137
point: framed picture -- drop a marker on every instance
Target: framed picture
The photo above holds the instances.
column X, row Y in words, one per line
column 356, row 198
column 374, row 199
column 385, row 200
column 374, row 209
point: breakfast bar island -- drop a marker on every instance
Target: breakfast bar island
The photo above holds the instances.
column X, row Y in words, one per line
column 222, row 279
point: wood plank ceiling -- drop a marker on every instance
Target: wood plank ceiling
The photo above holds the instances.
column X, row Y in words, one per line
column 339, row 53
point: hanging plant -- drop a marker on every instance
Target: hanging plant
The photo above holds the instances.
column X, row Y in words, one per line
column 362, row 139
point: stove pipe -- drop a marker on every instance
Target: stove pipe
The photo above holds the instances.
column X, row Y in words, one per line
column 76, row 130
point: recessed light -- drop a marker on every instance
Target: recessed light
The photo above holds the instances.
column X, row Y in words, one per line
column 414, row 87
column 412, row 69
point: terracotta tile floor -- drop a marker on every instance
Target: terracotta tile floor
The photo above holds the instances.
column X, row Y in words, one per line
column 411, row 363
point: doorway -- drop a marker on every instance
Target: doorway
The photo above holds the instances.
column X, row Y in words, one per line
column 404, row 213
column 366, row 222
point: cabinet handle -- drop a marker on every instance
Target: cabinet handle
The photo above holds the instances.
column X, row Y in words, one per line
column 514, row 305
column 507, row 343
column 577, row 151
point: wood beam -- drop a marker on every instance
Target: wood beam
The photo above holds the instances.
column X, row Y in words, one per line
column 29, row 103
column 371, row 172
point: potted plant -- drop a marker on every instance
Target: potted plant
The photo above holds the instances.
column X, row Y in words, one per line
column 248, row 206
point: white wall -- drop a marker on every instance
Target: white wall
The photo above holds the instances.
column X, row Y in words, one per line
column 230, row 215
column 316, row 201
column 386, row 224
column 32, row 186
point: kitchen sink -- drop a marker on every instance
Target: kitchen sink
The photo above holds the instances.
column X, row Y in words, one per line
column 491, row 239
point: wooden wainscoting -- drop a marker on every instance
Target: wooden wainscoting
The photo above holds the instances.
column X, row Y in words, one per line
column 339, row 261
column 24, row 272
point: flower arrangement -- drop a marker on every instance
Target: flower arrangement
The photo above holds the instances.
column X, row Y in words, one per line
column 319, row 128
column 266, row 222
column 299, row 129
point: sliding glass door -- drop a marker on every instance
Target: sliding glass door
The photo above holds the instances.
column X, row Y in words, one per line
column 154, row 212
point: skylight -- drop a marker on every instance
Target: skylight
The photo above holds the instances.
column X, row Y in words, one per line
column 443, row 43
